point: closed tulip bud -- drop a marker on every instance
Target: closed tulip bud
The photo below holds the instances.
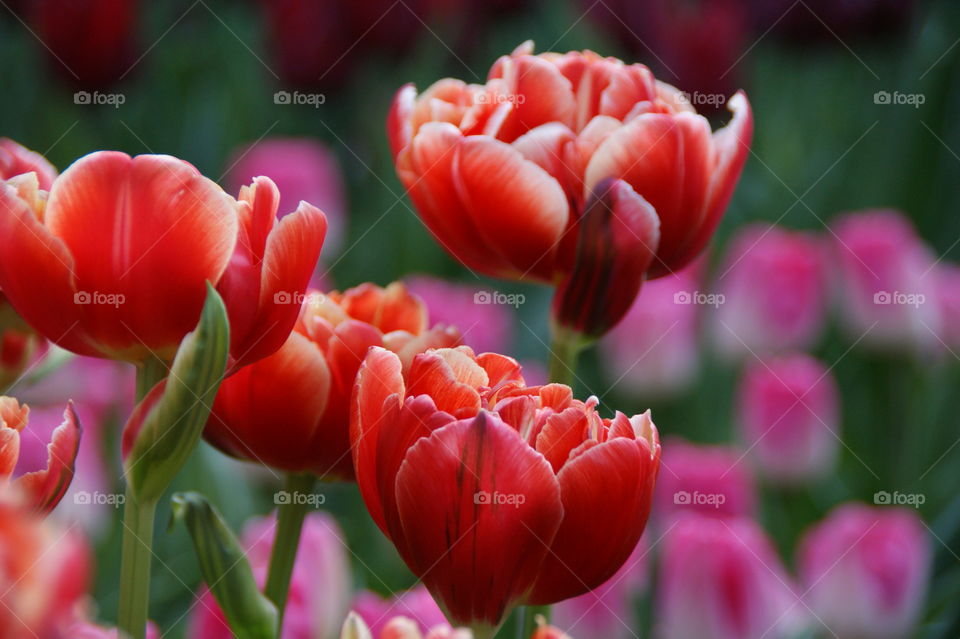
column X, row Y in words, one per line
column 885, row 281
column 722, row 579
column 713, row 481
column 548, row 171
column 866, row 571
column 653, row 351
column 45, row 571
column 141, row 301
column 789, row 417
column 305, row 387
column 774, row 289
column 517, row 478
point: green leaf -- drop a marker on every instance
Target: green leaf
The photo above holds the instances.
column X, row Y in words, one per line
column 224, row 567
column 167, row 425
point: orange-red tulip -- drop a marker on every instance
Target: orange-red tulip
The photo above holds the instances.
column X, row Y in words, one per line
column 493, row 492
column 42, row 489
column 16, row 160
column 113, row 261
column 303, row 390
column 572, row 169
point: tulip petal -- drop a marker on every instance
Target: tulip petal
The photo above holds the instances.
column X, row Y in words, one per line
column 45, row 488
column 399, row 125
column 451, row 378
column 378, row 380
column 518, row 208
column 150, row 229
column 610, row 483
column 16, row 160
column 477, row 556
column 537, row 92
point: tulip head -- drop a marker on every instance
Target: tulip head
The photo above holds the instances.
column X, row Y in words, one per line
column 304, row 388
column 866, row 571
column 789, row 416
column 490, row 489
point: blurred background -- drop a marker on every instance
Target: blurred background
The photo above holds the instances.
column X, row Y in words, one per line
column 813, row 363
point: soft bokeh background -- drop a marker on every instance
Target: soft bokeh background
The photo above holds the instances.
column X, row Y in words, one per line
column 199, row 81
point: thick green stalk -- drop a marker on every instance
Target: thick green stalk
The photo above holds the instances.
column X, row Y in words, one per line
column 564, row 350
column 290, row 514
column 137, row 549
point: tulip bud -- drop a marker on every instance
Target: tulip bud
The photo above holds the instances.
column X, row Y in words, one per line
column 789, row 417
column 619, row 233
column 653, row 352
column 885, row 282
column 866, row 571
column 774, row 292
column 707, row 480
column 722, row 579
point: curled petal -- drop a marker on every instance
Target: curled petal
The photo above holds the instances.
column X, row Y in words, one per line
column 16, row 160
column 45, row 488
column 451, row 377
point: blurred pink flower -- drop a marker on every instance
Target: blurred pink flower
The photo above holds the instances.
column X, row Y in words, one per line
column 789, row 417
column 884, row 280
column 866, row 570
column 774, row 288
column 722, row 579
column 652, row 352
column 89, row 630
column 319, row 588
column 303, row 170
column 485, row 326
column 948, row 302
column 608, row 612
column 710, row 480
column 416, row 604
column 354, row 627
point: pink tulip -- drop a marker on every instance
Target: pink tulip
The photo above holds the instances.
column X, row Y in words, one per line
column 789, row 417
column 653, row 350
column 485, row 324
column 302, row 169
column 415, row 604
column 722, row 579
column 319, row 588
column 866, row 571
column 708, row 480
column 885, row 283
column 774, row 291
column 607, row 612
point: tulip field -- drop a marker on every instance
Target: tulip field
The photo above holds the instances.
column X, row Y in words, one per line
column 516, row 319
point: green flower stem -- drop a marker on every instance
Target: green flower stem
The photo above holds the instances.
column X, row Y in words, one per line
column 530, row 615
column 290, row 517
column 564, row 350
column 137, row 549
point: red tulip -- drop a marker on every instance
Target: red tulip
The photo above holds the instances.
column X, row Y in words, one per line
column 304, row 388
column 16, row 160
column 549, row 171
column 42, row 489
column 44, row 572
column 19, row 345
column 114, row 261
column 491, row 490
column 89, row 42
